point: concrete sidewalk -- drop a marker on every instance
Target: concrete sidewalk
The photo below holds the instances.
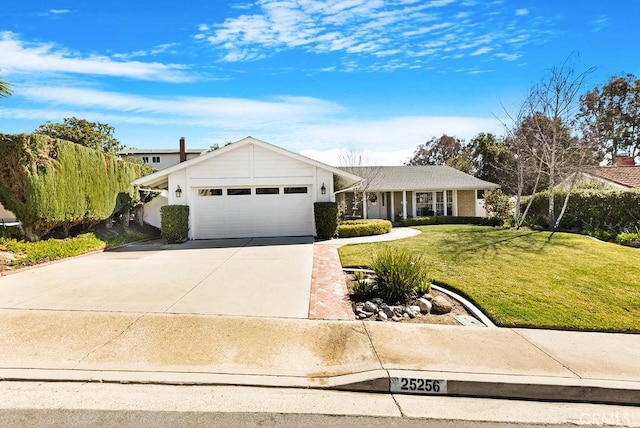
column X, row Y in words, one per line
column 350, row 355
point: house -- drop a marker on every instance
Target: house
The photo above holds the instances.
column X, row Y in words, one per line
column 399, row 192
column 249, row 188
column 163, row 158
column 7, row 218
column 623, row 175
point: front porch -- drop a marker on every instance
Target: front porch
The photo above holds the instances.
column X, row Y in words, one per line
column 400, row 205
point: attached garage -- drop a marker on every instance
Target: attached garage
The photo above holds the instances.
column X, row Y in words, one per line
column 242, row 212
column 248, row 189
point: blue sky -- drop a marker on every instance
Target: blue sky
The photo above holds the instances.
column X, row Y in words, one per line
column 316, row 77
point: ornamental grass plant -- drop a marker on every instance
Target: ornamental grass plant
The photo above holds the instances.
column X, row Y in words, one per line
column 399, row 273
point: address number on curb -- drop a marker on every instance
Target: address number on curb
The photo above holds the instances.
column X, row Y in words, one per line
column 413, row 385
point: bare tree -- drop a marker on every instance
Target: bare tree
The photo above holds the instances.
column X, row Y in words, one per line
column 545, row 138
column 352, row 162
column 553, row 107
column 525, row 171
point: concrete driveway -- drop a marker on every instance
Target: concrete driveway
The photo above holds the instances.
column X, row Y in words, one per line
column 255, row 277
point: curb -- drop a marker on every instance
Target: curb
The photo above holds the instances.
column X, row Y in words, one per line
column 407, row 382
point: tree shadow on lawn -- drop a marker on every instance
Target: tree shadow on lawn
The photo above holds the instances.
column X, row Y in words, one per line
column 481, row 241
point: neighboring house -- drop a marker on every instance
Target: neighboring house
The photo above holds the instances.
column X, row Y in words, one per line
column 163, row 158
column 246, row 189
column 624, row 175
column 7, row 218
column 399, row 192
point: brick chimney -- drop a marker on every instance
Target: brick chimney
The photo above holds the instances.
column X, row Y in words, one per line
column 183, row 150
column 624, row 160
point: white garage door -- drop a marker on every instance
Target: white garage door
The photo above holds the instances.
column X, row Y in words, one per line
column 243, row 212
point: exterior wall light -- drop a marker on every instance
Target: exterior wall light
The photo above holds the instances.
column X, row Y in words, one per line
column 178, row 192
column 323, row 190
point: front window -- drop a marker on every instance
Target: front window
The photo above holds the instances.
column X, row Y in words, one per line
column 440, row 203
column 424, row 204
column 449, row 202
column 155, row 159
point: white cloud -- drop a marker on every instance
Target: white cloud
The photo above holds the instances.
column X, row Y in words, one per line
column 367, row 29
column 59, row 11
column 297, row 123
column 201, row 111
column 20, row 57
column 369, row 157
column 522, row 12
column 483, row 50
column 600, row 23
column 508, row 57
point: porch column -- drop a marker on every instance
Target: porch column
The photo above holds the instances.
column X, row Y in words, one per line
column 404, row 204
column 444, row 200
column 364, row 204
column 455, row 202
column 393, row 208
column 413, row 205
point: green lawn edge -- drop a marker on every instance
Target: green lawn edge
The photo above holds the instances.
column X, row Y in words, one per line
column 530, row 279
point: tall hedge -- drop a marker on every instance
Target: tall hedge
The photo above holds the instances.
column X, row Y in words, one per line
column 590, row 209
column 326, row 217
column 49, row 183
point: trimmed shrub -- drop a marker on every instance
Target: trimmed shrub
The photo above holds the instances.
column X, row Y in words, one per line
column 174, row 223
column 399, row 273
column 49, row 183
column 351, row 228
column 326, row 217
column 498, row 204
column 630, row 239
column 427, row 221
column 591, row 210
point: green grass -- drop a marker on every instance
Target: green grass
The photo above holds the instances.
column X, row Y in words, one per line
column 529, row 278
column 32, row 253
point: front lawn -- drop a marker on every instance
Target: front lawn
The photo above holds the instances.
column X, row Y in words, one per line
column 529, row 278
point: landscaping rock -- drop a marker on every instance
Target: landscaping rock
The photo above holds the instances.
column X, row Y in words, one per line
column 440, row 305
column 409, row 312
column 416, row 309
column 396, row 318
column 427, row 296
column 388, row 311
column 382, row 316
column 362, row 315
column 377, row 301
column 424, row 305
column 370, row 307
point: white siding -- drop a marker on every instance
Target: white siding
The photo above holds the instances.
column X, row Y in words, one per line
column 152, row 210
column 268, row 163
column 6, row 215
column 233, row 164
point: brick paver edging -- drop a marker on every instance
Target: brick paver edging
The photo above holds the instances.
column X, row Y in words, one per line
column 329, row 298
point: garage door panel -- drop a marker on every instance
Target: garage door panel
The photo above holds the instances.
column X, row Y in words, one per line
column 255, row 215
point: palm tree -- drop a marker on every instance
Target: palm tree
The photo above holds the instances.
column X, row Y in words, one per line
column 5, row 89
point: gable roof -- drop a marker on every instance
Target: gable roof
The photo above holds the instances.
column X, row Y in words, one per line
column 424, row 177
column 160, row 178
column 126, row 152
column 625, row 176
